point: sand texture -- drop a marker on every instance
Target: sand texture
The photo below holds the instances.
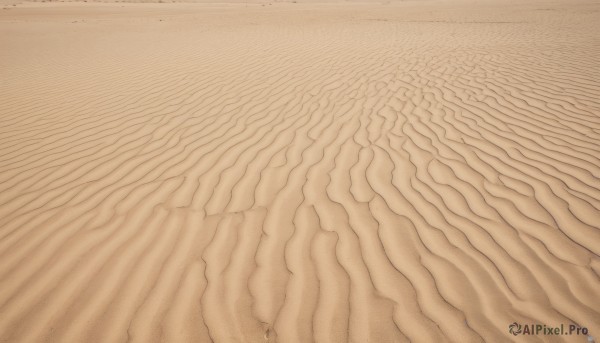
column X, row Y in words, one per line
column 423, row 171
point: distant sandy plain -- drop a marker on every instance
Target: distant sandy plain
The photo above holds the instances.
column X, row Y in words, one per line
column 423, row 171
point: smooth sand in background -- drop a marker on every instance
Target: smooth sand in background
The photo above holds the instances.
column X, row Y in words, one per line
column 424, row 171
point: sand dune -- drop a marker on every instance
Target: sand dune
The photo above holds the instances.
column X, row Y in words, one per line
column 422, row 171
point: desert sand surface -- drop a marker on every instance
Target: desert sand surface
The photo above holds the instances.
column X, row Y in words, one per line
column 417, row 171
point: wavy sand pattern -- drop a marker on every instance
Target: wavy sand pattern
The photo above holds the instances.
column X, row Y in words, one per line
column 415, row 171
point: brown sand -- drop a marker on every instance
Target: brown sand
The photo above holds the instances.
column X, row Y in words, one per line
column 424, row 171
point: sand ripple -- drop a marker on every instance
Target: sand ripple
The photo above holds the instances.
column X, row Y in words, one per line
column 328, row 173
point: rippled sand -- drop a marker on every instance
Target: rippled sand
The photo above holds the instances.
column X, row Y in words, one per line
column 422, row 171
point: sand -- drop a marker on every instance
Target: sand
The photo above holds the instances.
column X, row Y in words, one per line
column 422, row 171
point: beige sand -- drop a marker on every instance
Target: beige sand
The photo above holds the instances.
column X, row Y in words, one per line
column 422, row 171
